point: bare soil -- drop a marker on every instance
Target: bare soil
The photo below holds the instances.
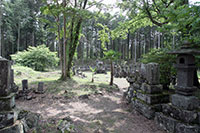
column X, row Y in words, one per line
column 100, row 113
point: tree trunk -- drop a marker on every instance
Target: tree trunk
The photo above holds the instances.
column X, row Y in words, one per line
column 0, row 29
column 64, row 58
column 18, row 36
column 32, row 39
column 128, row 44
column 111, row 73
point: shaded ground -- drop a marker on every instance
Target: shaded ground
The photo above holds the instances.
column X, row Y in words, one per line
column 103, row 112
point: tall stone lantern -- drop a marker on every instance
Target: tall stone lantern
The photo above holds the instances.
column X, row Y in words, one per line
column 182, row 115
column 185, row 65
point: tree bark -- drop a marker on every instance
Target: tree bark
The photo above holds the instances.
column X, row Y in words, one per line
column 18, row 36
column 0, row 28
column 111, row 73
column 64, row 74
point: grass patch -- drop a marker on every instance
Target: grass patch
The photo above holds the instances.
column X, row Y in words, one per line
column 72, row 87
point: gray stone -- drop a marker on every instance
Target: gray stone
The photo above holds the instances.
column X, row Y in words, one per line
column 185, row 70
column 7, row 103
column 183, row 128
column 167, row 123
column 7, row 118
column 24, row 84
column 185, row 102
column 180, row 114
column 16, row 128
column 152, row 89
column 4, row 77
column 136, row 86
column 41, row 87
column 31, row 119
column 147, row 110
column 199, row 116
column 153, row 98
column 152, row 73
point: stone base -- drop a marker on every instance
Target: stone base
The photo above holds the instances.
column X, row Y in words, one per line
column 8, row 118
column 153, row 98
column 180, row 114
column 7, row 103
column 175, row 126
column 185, row 102
column 151, row 89
column 147, row 110
column 16, row 128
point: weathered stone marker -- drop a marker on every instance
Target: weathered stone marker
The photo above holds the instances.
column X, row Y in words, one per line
column 40, row 88
column 24, row 84
column 8, row 115
column 182, row 115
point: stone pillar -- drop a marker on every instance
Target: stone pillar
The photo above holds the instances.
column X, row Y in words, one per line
column 8, row 115
column 145, row 92
column 150, row 96
column 182, row 115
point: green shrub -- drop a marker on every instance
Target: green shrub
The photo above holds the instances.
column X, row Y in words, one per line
column 39, row 58
column 165, row 61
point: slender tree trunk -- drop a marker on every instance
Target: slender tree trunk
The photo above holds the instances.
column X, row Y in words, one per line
column 32, row 39
column 0, row 28
column 111, row 73
column 135, row 47
column 128, row 44
column 64, row 75
column 18, row 36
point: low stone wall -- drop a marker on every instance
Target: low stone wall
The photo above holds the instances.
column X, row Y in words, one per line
column 174, row 113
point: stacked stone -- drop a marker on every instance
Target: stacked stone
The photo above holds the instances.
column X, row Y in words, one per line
column 148, row 92
column 8, row 114
column 182, row 114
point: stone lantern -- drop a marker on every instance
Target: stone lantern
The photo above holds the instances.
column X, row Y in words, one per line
column 182, row 115
column 185, row 65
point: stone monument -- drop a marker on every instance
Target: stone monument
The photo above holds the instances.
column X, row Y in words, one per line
column 8, row 114
column 182, row 115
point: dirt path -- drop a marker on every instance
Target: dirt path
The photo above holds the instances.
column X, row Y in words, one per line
column 105, row 113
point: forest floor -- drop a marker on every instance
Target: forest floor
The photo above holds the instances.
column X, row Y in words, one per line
column 103, row 111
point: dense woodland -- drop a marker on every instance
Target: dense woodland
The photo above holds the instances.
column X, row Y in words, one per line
column 75, row 31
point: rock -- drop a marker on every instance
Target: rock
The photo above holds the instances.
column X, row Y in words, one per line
column 65, row 125
column 31, row 119
column 180, row 114
column 86, row 96
column 7, row 103
column 16, row 128
column 167, row 123
column 29, row 97
column 152, row 89
column 185, row 102
column 7, row 118
column 182, row 128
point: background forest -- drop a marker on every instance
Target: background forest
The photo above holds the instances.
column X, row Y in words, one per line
column 83, row 29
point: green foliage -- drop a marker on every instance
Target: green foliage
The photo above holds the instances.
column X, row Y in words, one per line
column 112, row 55
column 93, row 69
column 165, row 61
column 185, row 19
column 39, row 58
